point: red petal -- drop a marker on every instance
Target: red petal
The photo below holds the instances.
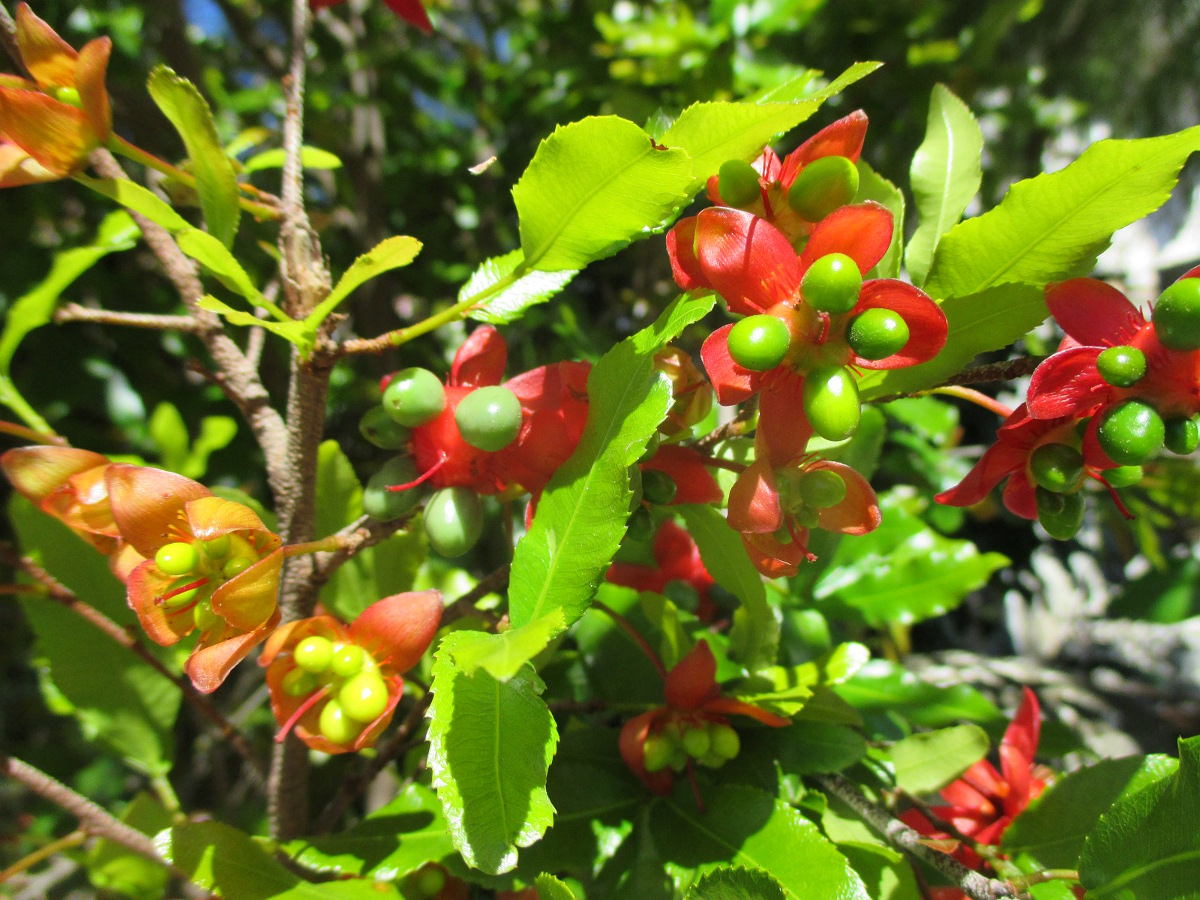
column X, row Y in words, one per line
column 844, row 137
column 148, row 505
column 632, row 745
column 681, row 250
column 768, row 165
column 250, row 597
column 1068, row 384
column 783, row 429
column 1019, row 497
column 1093, row 312
column 1020, row 740
column 91, row 69
column 863, row 232
column 58, row 136
column 1003, row 458
column 858, row 512
column 555, row 406
column 693, row 679
column 638, row 576
column 746, row 260
column 399, row 629
column 925, row 320
column 731, row 706
column 731, row 383
column 481, row 359
column 18, row 168
column 210, row 664
column 774, row 558
column 686, row 466
column 49, row 59
column 37, row 472
column 754, row 501
column 412, row 12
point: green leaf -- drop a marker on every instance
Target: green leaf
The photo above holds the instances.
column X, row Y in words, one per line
column 311, row 158
column 736, row 883
column 903, row 572
column 887, row 874
column 927, row 762
column 1147, row 846
column 785, row 690
column 1053, row 227
column 811, row 748
column 112, row 867
column 389, row 843
column 338, row 492
column 550, row 888
column 797, row 89
column 503, row 296
column 295, row 332
column 755, row 633
column 190, row 459
column 216, row 181
column 490, row 745
column 388, row 254
column 882, row 685
column 744, row 826
column 138, row 199
column 1054, row 826
column 873, row 186
column 581, row 515
column 133, row 710
column 990, row 320
column 946, row 173
column 229, row 862
column 503, row 655
column 592, row 187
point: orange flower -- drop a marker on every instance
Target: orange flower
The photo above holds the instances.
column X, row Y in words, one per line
column 338, row 686
column 68, row 484
column 50, row 125
column 206, row 564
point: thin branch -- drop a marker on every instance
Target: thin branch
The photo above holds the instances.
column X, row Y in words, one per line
column 8, row 38
column 52, row 589
column 93, row 819
column 73, row 312
column 352, row 787
column 492, row 583
column 912, row 842
column 1000, row 371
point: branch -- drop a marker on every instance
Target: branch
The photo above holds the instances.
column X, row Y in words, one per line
column 73, row 312
column 52, row 589
column 8, row 38
column 912, row 842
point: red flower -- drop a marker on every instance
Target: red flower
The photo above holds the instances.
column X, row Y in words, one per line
column 1095, row 316
column 767, row 506
column 553, row 413
column 983, row 802
column 68, row 484
column 694, row 704
column 338, row 686
column 1009, row 457
column 677, row 558
column 50, row 125
column 411, row 11
column 688, row 469
column 203, row 564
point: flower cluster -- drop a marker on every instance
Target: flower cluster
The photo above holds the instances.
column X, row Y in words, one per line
column 1119, row 389
column 50, row 125
column 691, row 727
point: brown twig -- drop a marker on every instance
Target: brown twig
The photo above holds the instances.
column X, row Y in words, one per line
column 912, row 842
column 50, row 588
column 353, row 786
column 73, row 312
column 492, row 583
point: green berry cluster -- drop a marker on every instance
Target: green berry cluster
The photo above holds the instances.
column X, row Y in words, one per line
column 822, row 186
column 710, row 744
column 198, row 568
column 1132, row 431
column 804, row 494
column 358, row 695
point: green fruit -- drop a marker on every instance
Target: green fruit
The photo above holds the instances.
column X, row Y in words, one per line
column 453, row 520
column 877, row 333
column 1121, row 366
column 203, row 615
column 657, row 751
column 641, row 525
column 347, row 660
column 696, row 742
column 725, row 742
column 1176, row 315
column 806, row 517
column 313, row 654
column 679, row 759
column 336, row 726
column 380, row 429
column 1182, row 436
column 364, row 697
column 712, row 760
column 832, row 283
column 658, row 487
column 172, row 600
column 1123, row 476
column 1060, row 514
column 427, row 881
column 822, row 488
column 177, row 558
column 737, row 183
column 822, row 186
column 383, row 504
column 830, row 399
column 414, row 397
column 1057, row 467
column 489, row 418
column 1131, row 432
column 759, row 343
column 218, row 547
column 69, row 96
column 298, row 683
